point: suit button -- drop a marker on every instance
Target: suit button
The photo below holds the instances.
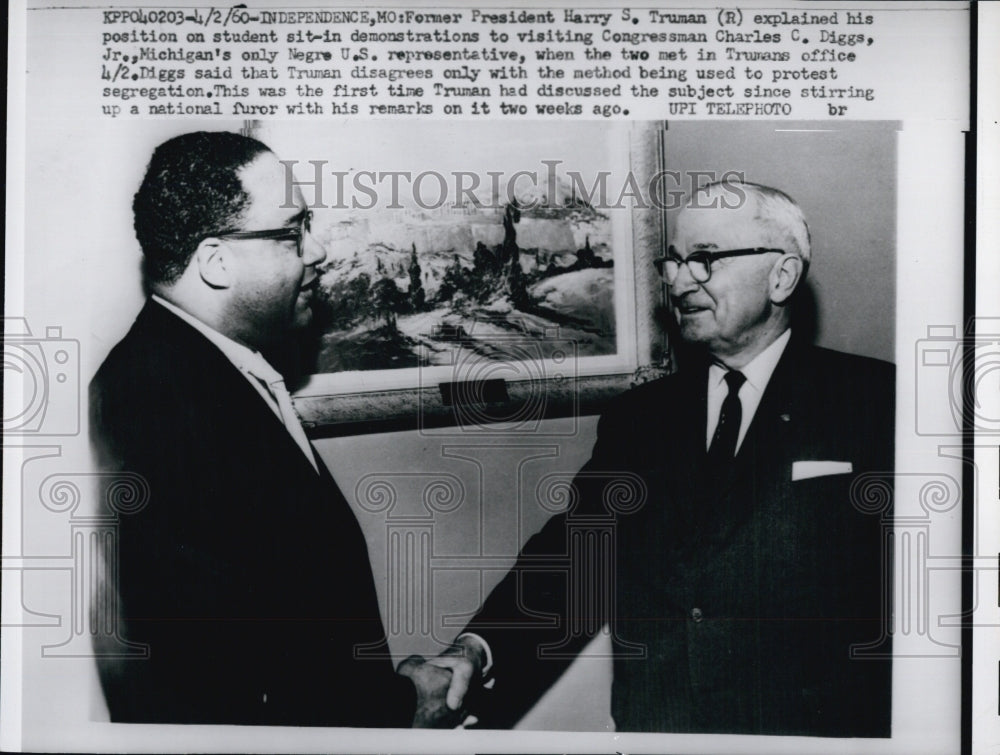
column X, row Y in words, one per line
column 696, row 614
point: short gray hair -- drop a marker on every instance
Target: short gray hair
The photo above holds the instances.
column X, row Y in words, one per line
column 774, row 210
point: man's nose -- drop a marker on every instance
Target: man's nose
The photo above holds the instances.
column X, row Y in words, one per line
column 313, row 252
column 684, row 282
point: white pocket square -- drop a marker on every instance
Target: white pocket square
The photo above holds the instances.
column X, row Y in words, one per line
column 803, row 470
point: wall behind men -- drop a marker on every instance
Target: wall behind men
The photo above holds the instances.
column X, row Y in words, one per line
column 82, row 272
column 843, row 176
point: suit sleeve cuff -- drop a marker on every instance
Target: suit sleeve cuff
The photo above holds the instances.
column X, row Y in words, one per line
column 488, row 665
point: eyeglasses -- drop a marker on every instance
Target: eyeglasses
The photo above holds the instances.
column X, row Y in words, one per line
column 699, row 263
column 297, row 235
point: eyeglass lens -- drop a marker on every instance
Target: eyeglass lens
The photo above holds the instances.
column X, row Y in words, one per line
column 698, row 266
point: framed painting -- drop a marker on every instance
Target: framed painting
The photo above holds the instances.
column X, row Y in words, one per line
column 483, row 267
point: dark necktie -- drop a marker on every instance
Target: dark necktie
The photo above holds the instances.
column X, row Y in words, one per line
column 723, row 446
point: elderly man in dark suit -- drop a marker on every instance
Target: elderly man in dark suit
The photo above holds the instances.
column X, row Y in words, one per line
column 737, row 590
column 246, row 574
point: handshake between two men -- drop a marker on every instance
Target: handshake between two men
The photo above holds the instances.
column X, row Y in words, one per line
column 443, row 683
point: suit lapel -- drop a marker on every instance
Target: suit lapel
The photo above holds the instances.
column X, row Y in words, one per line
column 683, row 461
column 762, row 460
column 779, row 411
column 727, row 496
column 217, row 377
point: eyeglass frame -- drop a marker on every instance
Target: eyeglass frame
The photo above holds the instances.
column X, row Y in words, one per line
column 276, row 234
column 706, row 258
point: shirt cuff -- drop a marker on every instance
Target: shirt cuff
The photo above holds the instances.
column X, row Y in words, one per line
column 484, row 645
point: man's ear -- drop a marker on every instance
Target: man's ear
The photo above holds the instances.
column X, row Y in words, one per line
column 212, row 261
column 785, row 277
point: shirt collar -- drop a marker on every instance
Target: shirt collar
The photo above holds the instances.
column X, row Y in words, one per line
column 245, row 359
column 758, row 372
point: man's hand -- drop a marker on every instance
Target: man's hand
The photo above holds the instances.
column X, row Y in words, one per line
column 443, row 682
column 432, row 683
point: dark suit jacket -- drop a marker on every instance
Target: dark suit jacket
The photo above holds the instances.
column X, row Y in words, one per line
column 246, row 573
column 734, row 597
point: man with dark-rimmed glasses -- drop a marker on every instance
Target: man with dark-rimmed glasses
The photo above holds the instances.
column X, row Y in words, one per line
column 245, row 575
column 746, row 584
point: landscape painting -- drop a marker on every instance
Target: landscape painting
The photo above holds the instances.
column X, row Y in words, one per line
column 458, row 246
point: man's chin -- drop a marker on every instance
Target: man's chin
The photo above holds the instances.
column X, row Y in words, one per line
column 694, row 329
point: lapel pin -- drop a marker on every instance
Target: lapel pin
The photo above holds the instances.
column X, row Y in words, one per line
column 786, row 417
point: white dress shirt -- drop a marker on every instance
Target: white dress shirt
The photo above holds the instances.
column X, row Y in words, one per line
column 757, row 373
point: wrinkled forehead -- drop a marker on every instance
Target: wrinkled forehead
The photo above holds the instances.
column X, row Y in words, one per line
column 700, row 226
